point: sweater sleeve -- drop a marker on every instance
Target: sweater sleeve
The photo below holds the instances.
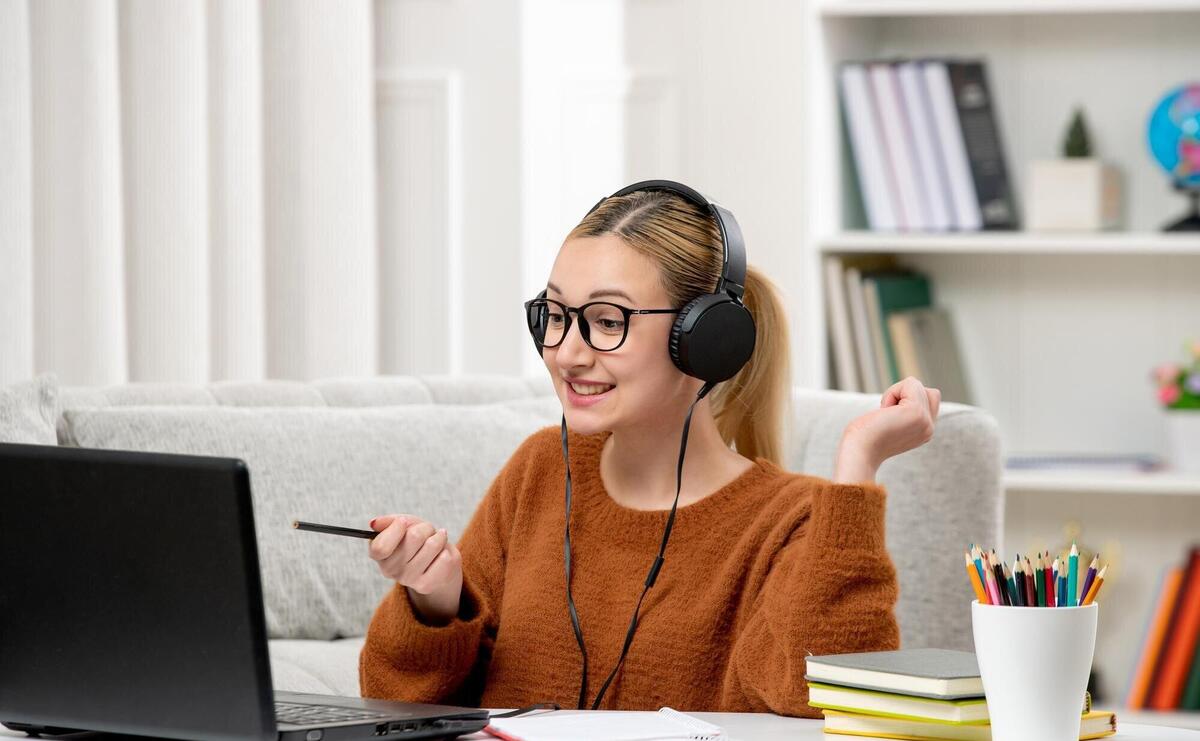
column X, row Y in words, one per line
column 405, row 658
column 830, row 589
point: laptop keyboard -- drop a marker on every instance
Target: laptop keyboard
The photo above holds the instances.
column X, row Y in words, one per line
column 303, row 715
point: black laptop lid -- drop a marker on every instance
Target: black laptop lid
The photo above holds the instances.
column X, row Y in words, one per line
column 130, row 598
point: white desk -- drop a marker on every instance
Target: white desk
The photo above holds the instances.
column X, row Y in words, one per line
column 765, row 727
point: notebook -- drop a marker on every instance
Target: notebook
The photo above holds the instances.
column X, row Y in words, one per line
column 1095, row 724
column 606, row 725
column 925, row 672
column 871, row 702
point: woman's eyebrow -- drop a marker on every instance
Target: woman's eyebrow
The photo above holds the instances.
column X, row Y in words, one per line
column 598, row 293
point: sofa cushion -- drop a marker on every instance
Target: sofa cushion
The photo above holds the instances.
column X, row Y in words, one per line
column 28, row 411
column 321, row 667
column 336, row 466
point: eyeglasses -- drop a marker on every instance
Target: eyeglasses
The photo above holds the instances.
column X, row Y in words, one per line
column 604, row 325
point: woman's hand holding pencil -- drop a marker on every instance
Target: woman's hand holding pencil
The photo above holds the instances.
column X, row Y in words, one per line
column 1033, row 583
column 422, row 558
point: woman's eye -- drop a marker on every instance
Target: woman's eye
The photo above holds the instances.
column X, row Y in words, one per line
column 555, row 320
column 611, row 325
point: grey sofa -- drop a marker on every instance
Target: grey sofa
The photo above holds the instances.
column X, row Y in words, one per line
column 345, row 450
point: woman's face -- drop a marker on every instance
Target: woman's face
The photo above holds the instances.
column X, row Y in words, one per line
column 637, row 383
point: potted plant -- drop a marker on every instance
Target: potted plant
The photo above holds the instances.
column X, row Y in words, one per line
column 1077, row 192
column 1179, row 393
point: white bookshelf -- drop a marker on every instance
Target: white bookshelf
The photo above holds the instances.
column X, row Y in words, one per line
column 1059, row 332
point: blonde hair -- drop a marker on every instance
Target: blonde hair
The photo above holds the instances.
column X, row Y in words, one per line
column 685, row 243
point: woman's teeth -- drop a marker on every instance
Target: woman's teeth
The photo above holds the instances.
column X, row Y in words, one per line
column 589, row 390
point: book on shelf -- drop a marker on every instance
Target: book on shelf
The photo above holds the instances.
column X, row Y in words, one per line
column 849, row 334
column 926, row 146
column 926, row 348
column 894, row 291
column 1095, row 724
column 1179, row 645
column 1166, row 675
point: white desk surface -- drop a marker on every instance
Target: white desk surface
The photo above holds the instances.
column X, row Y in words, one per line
column 764, row 727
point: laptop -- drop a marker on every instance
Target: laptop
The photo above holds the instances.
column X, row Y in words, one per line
column 131, row 603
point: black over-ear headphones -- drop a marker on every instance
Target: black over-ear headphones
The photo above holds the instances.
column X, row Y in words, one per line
column 713, row 335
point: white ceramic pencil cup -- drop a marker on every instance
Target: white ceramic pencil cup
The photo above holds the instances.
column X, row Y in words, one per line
column 1034, row 662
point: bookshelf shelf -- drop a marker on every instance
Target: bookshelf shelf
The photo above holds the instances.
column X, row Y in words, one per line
column 906, row 8
column 1098, row 482
column 1016, row 243
column 1057, row 333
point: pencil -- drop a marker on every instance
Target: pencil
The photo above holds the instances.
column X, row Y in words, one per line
column 333, row 529
column 1091, row 595
column 973, row 575
column 1013, row 599
column 1047, row 580
column 990, row 582
column 1091, row 574
column 1001, row 582
column 1052, row 586
column 978, row 556
column 1019, row 582
column 1073, row 577
column 1030, row 588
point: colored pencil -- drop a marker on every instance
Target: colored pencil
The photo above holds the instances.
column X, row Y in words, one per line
column 1030, row 589
column 1073, row 577
column 1001, row 582
column 1091, row 574
column 1013, row 600
column 1091, row 595
column 977, row 555
column 1048, row 581
column 1019, row 579
column 973, row 575
column 993, row 588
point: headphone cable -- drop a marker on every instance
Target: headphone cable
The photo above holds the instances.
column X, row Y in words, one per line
column 651, row 577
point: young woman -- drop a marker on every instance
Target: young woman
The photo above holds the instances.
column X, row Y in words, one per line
column 763, row 566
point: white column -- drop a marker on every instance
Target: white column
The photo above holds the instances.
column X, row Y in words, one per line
column 319, row 189
column 16, row 203
column 164, row 122
column 236, row 191
column 77, row 223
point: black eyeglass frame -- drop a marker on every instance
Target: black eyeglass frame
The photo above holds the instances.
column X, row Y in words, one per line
column 585, row 329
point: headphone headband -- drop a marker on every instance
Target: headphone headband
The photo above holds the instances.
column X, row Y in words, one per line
column 733, row 247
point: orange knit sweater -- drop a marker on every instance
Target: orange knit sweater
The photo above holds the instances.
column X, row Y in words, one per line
column 761, row 573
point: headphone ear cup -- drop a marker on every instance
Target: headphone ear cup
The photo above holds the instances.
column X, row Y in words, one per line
column 712, row 338
column 530, row 323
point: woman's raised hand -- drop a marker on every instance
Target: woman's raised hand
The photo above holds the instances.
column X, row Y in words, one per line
column 904, row 420
column 421, row 557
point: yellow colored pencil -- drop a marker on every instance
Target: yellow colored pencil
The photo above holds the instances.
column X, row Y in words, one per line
column 1091, row 595
column 973, row 575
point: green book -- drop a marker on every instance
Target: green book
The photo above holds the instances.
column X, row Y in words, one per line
column 897, row 291
column 1191, row 695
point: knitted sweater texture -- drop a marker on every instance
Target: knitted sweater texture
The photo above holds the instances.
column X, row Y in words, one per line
column 768, row 569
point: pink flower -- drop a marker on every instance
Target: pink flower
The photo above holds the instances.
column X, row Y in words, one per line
column 1167, row 373
column 1168, row 394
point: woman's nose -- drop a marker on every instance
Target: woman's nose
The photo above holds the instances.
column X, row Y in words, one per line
column 574, row 351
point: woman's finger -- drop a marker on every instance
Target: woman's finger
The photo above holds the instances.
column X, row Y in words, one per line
column 434, row 545
column 935, row 401
column 383, row 544
column 417, row 534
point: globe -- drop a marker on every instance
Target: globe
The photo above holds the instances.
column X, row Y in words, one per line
column 1174, row 135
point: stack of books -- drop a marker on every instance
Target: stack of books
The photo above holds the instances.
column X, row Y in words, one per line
column 1167, row 674
column 926, row 145
column 924, row 694
column 883, row 327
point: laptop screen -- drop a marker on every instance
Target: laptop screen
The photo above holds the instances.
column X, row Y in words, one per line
column 130, row 598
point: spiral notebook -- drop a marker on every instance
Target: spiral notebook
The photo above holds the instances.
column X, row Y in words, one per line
column 606, row 725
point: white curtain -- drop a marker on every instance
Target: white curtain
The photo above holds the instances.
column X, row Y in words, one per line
column 188, row 191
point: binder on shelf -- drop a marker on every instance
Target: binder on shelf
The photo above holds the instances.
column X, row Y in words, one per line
column 985, row 151
column 896, row 134
column 934, row 186
column 868, row 154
